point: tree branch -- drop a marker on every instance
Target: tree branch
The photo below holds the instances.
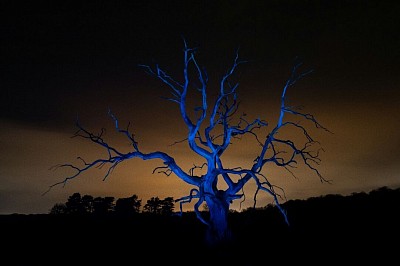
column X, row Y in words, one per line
column 115, row 157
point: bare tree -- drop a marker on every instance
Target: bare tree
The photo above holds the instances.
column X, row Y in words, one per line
column 211, row 128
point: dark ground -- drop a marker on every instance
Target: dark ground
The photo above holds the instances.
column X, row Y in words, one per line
column 361, row 228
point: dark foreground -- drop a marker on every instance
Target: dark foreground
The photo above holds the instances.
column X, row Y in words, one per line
column 328, row 230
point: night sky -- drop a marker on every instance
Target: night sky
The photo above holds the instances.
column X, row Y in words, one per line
column 62, row 59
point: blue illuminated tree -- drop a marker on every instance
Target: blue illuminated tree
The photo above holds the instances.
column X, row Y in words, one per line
column 211, row 129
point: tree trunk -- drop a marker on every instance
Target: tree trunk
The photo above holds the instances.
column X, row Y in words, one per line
column 218, row 232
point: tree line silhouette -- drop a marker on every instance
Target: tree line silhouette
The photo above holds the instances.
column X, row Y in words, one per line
column 87, row 204
column 357, row 205
column 359, row 227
